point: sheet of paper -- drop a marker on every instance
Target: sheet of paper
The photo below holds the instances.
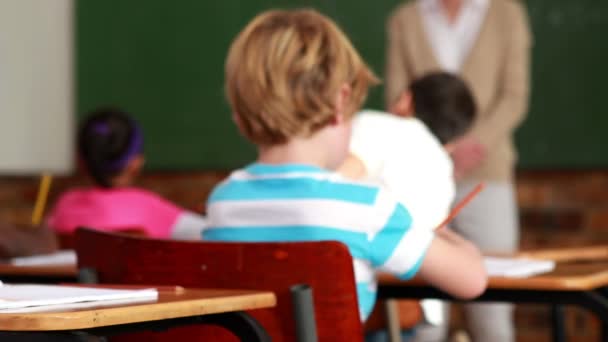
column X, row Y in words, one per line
column 79, row 306
column 21, row 296
column 517, row 267
column 63, row 257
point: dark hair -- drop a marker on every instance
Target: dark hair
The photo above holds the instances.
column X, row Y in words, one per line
column 445, row 104
column 107, row 140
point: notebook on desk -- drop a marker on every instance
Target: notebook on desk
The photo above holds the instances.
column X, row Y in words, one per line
column 517, row 267
column 18, row 297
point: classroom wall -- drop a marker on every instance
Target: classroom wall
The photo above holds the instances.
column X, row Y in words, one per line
column 36, row 86
column 558, row 208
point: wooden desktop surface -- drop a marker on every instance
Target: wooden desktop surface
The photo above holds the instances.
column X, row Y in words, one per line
column 590, row 253
column 170, row 304
column 577, row 269
column 565, row 277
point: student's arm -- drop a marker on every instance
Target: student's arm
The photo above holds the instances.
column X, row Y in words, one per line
column 167, row 220
column 511, row 104
column 443, row 258
column 454, row 265
column 396, row 75
column 188, row 226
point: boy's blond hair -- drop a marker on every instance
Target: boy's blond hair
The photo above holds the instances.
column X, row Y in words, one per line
column 284, row 71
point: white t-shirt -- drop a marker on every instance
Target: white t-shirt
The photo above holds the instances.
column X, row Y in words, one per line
column 404, row 156
column 452, row 42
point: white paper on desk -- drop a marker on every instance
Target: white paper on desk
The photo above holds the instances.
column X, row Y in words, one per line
column 22, row 296
column 63, row 257
column 517, row 267
column 79, row 306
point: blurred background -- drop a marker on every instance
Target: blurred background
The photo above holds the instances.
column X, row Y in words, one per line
column 163, row 62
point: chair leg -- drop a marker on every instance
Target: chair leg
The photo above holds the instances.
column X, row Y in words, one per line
column 304, row 313
column 87, row 275
column 392, row 320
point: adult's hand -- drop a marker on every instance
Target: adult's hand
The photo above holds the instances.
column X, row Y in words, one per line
column 467, row 154
column 403, row 106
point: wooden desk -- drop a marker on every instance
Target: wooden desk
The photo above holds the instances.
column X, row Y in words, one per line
column 577, row 283
column 580, row 276
column 38, row 274
column 595, row 253
column 173, row 308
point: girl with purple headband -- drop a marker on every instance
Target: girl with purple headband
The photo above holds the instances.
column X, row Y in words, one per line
column 111, row 148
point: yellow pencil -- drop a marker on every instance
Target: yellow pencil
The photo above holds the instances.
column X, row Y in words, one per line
column 43, row 193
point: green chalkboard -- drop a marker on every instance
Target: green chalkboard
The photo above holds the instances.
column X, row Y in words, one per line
column 163, row 61
column 568, row 122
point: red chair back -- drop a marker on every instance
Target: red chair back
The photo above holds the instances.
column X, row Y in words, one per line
column 325, row 266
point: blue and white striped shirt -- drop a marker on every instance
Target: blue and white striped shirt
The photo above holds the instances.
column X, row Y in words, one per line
column 293, row 202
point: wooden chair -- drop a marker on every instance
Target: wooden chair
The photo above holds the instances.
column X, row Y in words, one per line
column 324, row 266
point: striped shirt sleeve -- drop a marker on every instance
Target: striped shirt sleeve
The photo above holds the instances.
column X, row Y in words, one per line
column 399, row 247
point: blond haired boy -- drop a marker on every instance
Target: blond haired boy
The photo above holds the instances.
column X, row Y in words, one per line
column 293, row 81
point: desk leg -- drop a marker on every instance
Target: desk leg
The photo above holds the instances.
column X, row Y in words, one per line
column 557, row 323
column 391, row 312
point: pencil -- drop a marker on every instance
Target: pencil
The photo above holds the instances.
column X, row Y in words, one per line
column 458, row 207
column 43, row 193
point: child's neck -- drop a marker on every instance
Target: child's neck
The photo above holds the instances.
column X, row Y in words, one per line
column 122, row 181
column 296, row 151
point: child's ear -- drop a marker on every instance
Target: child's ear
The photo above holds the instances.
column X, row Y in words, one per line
column 449, row 147
column 237, row 120
column 342, row 102
column 131, row 170
column 404, row 106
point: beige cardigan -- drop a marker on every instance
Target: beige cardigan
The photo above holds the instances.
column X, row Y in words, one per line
column 496, row 69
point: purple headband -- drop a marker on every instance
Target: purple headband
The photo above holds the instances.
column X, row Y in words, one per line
column 136, row 145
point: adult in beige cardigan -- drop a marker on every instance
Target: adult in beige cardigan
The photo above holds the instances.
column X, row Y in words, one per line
column 496, row 67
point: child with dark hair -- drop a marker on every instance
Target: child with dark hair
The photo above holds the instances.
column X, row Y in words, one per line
column 443, row 102
column 409, row 152
column 111, row 148
column 111, row 145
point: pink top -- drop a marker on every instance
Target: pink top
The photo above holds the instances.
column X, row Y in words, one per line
column 114, row 209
